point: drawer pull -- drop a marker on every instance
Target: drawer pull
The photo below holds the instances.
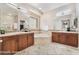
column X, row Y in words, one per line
column 1, row 41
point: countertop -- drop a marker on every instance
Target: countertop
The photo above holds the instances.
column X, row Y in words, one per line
column 66, row 32
column 18, row 33
column 14, row 33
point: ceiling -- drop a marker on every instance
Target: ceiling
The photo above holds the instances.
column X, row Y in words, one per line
column 6, row 9
column 44, row 7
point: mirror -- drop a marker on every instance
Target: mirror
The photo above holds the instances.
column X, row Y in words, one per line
column 66, row 24
column 8, row 17
column 33, row 23
column 76, row 22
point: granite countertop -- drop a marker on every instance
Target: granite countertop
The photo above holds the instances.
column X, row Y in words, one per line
column 14, row 33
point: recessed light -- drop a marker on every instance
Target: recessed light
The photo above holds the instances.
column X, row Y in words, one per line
column 40, row 8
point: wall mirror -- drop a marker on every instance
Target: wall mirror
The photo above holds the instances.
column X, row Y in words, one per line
column 76, row 22
column 66, row 24
column 8, row 17
column 33, row 23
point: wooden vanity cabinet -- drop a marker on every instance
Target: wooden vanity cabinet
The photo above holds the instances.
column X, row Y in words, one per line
column 65, row 38
column 9, row 45
column 22, row 42
column 30, row 39
column 14, row 43
column 72, row 39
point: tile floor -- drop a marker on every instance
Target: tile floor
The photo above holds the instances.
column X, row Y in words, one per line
column 44, row 46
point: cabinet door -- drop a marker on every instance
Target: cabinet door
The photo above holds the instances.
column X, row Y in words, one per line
column 62, row 38
column 22, row 42
column 30, row 39
column 55, row 37
column 72, row 39
column 9, row 45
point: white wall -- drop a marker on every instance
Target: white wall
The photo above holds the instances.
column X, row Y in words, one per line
column 7, row 22
column 77, row 13
column 8, row 16
column 48, row 18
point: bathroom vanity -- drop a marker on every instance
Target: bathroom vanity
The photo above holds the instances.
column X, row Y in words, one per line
column 64, row 37
column 11, row 43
